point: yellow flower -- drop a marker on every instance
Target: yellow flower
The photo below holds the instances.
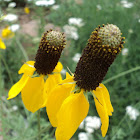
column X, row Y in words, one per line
column 7, row 33
column 32, row 88
column 71, row 108
column 68, row 104
column 42, row 75
column 26, row 10
column 2, row 45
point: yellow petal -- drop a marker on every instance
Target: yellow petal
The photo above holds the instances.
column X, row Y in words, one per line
column 58, row 67
column 69, row 79
column 101, row 105
column 68, row 75
column 51, row 82
column 32, row 94
column 56, row 98
column 2, row 45
column 72, row 112
column 107, row 99
column 16, row 88
column 27, row 68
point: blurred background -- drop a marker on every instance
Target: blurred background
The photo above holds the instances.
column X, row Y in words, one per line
column 22, row 23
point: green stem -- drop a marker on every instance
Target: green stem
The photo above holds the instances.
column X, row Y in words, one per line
column 42, row 131
column 7, row 68
column 121, row 74
column 22, row 49
column 38, row 122
column 1, row 101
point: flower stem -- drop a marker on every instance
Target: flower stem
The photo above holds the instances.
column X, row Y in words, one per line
column 121, row 74
column 38, row 122
column 22, row 49
column 1, row 102
column 7, row 68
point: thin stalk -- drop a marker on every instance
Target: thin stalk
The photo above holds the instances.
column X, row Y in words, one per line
column 7, row 68
column 22, row 49
column 42, row 131
column 38, row 122
column 1, row 101
column 121, row 74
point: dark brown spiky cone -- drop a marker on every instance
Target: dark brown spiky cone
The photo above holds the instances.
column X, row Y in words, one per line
column 102, row 48
column 51, row 45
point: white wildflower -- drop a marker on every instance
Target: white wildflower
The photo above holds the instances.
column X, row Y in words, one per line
column 63, row 71
column 83, row 136
column 126, row 4
column 10, row 17
column 76, row 57
column 97, row 122
column 139, row 20
column 99, row 7
column 71, row 32
column 14, row 27
column 15, row 108
column 55, row 7
column 12, row 4
column 125, row 51
column 76, row 21
column 81, row 126
column 92, row 123
column 132, row 112
column 88, row 128
column 44, row 2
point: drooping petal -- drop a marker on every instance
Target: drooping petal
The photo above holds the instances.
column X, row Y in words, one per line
column 32, row 94
column 58, row 67
column 107, row 99
column 56, row 98
column 16, row 88
column 72, row 112
column 102, row 104
column 2, row 45
column 27, row 68
column 50, row 83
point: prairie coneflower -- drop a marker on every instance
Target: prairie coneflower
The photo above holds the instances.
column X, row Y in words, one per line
column 68, row 104
column 41, row 75
column 26, row 10
column 7, row 33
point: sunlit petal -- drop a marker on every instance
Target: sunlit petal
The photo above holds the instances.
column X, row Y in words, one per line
column 72, row 112
column 56, row 98
column 16, row 88
column 2, row 45
column 27, row 68
column 50, row 83
column 107, row 99
column 102, row 110
column 32, row 94
column 58, row 67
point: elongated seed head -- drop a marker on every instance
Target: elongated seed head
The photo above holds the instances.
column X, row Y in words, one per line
column 51, row 45
column 102, row 48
